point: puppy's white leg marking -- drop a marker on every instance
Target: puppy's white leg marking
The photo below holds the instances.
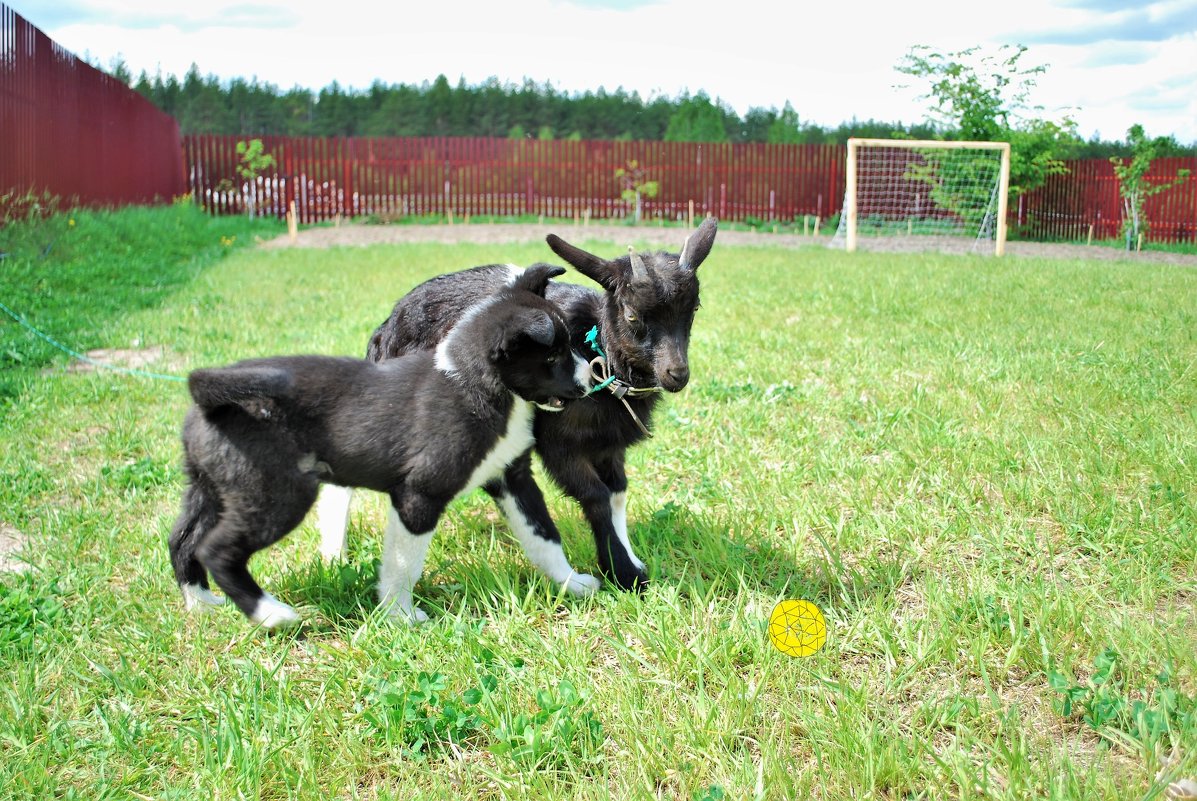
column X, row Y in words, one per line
column 332, row 518
column 546, row 555
column 619, row 519
column 197, row 597
column 272, row 613
column 402, row 563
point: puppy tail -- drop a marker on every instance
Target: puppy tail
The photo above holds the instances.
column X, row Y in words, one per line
column 254, row 389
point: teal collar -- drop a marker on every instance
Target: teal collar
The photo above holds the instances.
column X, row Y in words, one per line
column 600, row 371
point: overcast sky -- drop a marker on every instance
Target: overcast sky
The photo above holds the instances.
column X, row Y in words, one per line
column 1110, row 63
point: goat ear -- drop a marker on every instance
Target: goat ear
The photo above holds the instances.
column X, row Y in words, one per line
column 598, row 270
column 535, row 279
column 698, row 245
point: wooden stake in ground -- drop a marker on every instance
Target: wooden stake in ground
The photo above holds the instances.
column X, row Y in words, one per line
column 292, row 225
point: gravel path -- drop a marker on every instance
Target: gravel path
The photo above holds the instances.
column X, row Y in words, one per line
column 359, row 235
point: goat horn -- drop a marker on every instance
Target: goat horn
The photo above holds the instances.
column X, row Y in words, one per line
column 639, row 271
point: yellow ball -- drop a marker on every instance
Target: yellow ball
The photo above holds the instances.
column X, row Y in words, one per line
column 797, row 628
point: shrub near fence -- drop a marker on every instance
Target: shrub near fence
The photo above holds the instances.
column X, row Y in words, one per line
column 70, row 130
column 478, row 176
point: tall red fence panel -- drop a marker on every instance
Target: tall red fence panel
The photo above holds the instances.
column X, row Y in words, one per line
column 1172, row 215
column 71, row 130
column 1088, row 195
column 480, row 176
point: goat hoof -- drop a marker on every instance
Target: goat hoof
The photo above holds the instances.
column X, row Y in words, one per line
column 632, row 579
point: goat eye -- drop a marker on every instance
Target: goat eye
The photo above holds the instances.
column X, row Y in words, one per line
column 553, row 358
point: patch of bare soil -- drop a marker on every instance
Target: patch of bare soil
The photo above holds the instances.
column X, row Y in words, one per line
column 361, row 235
column 358, row 235
column 12, row 542
column 128, row 358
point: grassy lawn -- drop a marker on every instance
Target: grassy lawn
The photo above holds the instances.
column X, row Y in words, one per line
column 984, row 472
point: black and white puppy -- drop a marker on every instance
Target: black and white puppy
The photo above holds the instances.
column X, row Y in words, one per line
column 425, row 429
column 642, row 318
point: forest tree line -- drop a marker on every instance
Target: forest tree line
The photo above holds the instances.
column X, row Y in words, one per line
column 206, row 104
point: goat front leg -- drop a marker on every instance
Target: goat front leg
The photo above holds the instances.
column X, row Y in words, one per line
column 523, row 505
column 616, row 479
column 602, row 492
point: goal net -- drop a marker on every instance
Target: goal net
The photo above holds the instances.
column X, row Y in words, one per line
column 919, row 194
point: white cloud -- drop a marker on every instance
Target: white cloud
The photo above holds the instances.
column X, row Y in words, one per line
column 833, row 61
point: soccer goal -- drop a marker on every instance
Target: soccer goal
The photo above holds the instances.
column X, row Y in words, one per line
column 923, row 194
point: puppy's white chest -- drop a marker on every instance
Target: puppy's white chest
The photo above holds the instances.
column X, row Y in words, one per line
column 514, row 441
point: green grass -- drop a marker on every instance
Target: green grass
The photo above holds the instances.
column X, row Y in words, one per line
column 983, row 471
column 74, row 274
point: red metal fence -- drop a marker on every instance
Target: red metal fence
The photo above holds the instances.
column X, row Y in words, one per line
column 468, row 176
column 1088, row 196
column 473, row 176
column 69, row 129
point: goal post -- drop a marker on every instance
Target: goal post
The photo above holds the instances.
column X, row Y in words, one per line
column 926, row 191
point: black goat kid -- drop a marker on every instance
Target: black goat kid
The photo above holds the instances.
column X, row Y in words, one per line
column 642, row 320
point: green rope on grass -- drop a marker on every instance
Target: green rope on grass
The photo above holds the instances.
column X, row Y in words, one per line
column 83, row 358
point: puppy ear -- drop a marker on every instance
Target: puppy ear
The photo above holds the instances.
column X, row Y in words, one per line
column 601, row 271
column 698, row 245
column 538, row 327
column 535, row 279
column 532, row 324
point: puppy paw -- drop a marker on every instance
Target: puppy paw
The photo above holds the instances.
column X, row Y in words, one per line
column 582, row 585
column 271, row 613
column 333, row 553
column 198, row 599
column 412, row 617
